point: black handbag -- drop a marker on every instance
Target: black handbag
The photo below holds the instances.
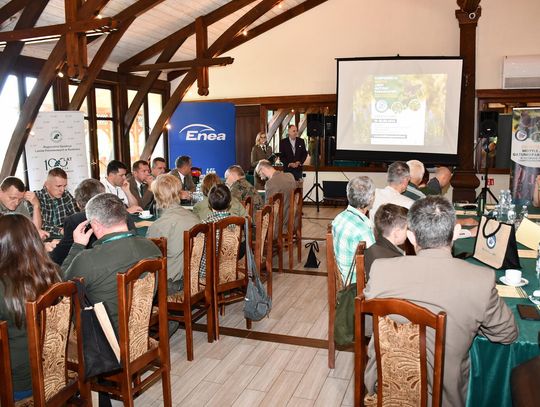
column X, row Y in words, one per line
column 344, row 319
column 257, row 303
column 99, row 356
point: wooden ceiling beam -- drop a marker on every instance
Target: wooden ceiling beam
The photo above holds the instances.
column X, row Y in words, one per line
column 11, row 52
column 201, row 44
column 32, row 104
column 183, row 33
column 103, row 24
column 274, row 123
column 126, row 17
column 10, row 9
column 185, row 65
column 273, row 22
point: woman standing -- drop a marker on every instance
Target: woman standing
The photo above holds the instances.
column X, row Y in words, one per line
column 26, row 272
column 260, row 151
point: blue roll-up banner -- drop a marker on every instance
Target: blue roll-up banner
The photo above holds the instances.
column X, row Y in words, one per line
column 206, row 133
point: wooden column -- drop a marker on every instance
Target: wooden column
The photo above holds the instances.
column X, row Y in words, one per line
column 464, row 180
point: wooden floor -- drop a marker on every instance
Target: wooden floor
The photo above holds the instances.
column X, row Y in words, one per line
column 268, row 370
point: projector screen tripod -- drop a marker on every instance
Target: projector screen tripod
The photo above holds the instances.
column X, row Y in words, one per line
column 482, row 197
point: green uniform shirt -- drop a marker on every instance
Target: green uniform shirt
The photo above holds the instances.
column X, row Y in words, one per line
column 112, row 254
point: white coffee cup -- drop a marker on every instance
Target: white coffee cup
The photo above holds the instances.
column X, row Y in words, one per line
column 513, row 276
column 145, row 214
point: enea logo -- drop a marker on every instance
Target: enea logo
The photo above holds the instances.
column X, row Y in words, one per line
column 201, row 132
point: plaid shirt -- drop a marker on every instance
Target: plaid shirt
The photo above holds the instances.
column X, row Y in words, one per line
column 55, row 210
column 212, row 218
column 348, row 229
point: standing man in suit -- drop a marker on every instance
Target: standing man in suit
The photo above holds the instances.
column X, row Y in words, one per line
column 435, row 280
column 139, row 184
column 183, row 173
column 293, row 152
column 260, row 151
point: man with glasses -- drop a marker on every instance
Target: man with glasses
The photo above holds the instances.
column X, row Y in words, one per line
column 117, row 184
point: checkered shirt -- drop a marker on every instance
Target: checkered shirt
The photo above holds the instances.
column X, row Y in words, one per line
column 55, row 210
column 212, row 218
column 348, row 229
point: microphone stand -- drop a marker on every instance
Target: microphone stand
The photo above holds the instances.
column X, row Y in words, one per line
column 316, row 186
column 481, row 199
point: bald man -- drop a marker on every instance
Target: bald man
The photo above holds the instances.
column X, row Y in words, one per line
column 438, row 184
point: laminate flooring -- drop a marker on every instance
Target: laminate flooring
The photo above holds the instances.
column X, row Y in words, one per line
column 239, row 371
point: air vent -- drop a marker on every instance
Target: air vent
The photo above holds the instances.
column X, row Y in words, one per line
column 521, row 72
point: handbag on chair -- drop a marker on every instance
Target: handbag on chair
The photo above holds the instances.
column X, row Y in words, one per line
column 496, row 244
column 344, row 320
column 257, row 303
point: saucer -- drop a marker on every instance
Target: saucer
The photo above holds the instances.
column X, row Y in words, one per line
column 145, row 217
column 523, row 282
column 534, row 300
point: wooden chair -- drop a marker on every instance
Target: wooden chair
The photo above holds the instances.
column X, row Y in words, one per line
column 229, row 279
column 264, row 230
column 6, row 390
column 138, row 352
column 248, row 204
column 402, row 378
column 276, row 202
column 48, row 323
column 335, row 284
column 294, row 226
column 195, row 299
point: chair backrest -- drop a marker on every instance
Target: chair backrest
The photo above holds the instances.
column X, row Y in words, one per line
column 264, row 228
column 228, row 234
column 295, row 210
column 6, row 391
column 360, row 267
column 195, row 241
column 248, row 204
column 136, row 290
column 161, row 243
column 276, row 202
column 48, row 324
column 400, row 350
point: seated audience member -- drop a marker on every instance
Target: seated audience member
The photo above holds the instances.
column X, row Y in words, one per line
column 115, row 251
column 241, row 188
column 117, row 184
column 438, row 184
column 55, row 201
column 14, row 199
column 416, row 171
column 536, row 192
column 425, row 179
column 277, row 181
column 390, row 232
column 139, row 184
column 86, row 190
column 172, row 223
column 352, row 226
column 435, row 280
column 183, row 173
column 26, row 272
column 202, row 209
column 159, row 166
column 397, row 177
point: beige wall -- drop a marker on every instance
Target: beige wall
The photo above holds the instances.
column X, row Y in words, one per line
column 298, row 57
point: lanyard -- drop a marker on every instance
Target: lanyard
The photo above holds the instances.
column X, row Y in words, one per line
column 118, row 237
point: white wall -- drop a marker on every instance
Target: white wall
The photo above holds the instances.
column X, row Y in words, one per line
column 298, row 57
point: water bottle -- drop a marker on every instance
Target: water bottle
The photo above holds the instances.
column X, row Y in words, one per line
column 538, row 263
column 496, row 213
column 511, row 215
column 524, row 211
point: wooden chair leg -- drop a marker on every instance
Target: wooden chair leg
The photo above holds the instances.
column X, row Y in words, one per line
column 189, row 333
column 166, row 386
column 248, row 323
column 210, row 328
column 299, row 246
column 269, row 277
column 127, row 389
column 216, row 318
column 280, row 254
column 290, row 251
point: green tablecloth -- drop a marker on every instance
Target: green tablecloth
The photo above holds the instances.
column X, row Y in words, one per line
column 491, row 363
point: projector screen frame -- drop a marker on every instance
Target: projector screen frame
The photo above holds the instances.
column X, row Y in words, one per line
column 391, row 156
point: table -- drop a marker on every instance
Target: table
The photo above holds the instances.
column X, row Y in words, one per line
column 491, row 363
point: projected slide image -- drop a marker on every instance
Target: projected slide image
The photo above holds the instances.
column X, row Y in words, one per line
column 400, row 109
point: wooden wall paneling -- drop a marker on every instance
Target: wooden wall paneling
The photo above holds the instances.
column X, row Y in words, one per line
column 11, row 52
column 247, row 127
column 32, row 104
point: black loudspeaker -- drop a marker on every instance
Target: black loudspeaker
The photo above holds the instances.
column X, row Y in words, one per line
column 504, row 141
column 315, row 125
column 330, row 123
column 488, row 124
